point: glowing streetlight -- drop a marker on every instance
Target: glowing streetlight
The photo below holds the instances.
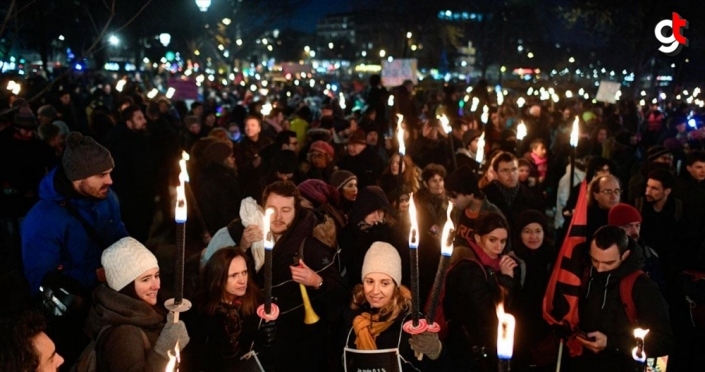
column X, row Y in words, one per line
column 571, row 60
column 530, row 55
column 227, row 21
column 238, row 42
column 330, row 45
column 203, row 5
column 113, row 40
column 307, row 49
column 408, row 35
column 165, row 39
column 382, row 53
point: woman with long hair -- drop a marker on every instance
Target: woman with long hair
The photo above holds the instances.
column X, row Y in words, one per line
column 381, row 306
column 127, row 320
column 224, row 323
column 389, row 180
column 481, row 276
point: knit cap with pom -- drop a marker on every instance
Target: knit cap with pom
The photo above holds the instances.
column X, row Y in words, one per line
column 125, row 261
column 84, row 157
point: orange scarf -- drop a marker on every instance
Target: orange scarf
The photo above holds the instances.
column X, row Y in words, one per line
column 367, row 326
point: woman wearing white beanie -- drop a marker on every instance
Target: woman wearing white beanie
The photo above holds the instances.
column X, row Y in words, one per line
column 380, row 308
column 127, row 320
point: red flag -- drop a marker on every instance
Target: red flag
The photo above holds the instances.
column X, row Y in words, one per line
column 560, row 304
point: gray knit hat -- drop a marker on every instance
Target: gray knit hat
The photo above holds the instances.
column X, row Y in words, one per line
column 125, row 261
column 340, row 178
column 84, row 157
column 382, row 258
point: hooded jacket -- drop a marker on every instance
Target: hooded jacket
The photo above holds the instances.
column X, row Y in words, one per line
column 122, row 346
column 601, row 309
column 51, row 237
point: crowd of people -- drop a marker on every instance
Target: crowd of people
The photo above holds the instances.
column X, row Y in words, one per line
column 88, row 179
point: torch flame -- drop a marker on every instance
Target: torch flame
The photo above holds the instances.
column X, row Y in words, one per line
column 638, row 352
column 575, row 133
column 505, row 333
column 414, row 230
column 521, row 131
column 480, row 156
column 446, row 243
column 266, row 221
column 180, row 213
column 485, row 117
column 174, row 359
column 445, row 123
column 400, row 135
column 266, row 109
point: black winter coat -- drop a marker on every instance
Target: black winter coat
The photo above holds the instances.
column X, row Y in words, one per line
column 524, row 200
column 219, row 195
column 367, row 166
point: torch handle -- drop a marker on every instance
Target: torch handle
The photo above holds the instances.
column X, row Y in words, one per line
column 268, row 281
column 437, row 288
column 179, row 265
column 414, row 253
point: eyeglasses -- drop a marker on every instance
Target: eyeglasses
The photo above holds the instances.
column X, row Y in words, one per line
column 610, row 192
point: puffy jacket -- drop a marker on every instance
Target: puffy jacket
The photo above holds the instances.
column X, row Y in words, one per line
column 52, row 237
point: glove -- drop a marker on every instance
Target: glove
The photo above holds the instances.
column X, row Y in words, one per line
column 267, row 333
column 171, row 333
column 426, row 343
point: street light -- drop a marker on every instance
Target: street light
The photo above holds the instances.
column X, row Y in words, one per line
column 203, row 5
column 330, row 45
column 227, row 21
column 165, row 39
column 307, row 49
column 408, row 35
column 113, row 40
column 382, row 53
column 530, row 55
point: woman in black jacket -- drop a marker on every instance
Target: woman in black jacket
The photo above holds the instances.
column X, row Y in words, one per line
column 224, row 322
column 534, row 342
column 481, row 277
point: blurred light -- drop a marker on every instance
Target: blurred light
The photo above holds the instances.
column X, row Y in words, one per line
column 296, row 82
column 203, row 5
column 643, row 93
column 530, row 55
column 170, row 92
column 165, row 39
column 238, row 42
column 312, row 83
column 390, row 100
column 145, row 60
column 571, row 59
column 220, row 47
column 654, row 101
column 520, row 102
column 581, row 91
column 264, row 83
column 568, row 94
column 266, row 109
column 678, row 96
column 390, row 59
column 685, row 92
column 530, row 91
column 224, row 82
column 120, row 84
column 312, row 53
column 673, row 65
column 200, row 78
column 197, row 52
column 113, row 40
column 78, row 67
column 211, row 78
column 662, row 96
column 642, row 102
column 227, row 21
column 586, row 96
column 253, row 88
column 364, row 53
column 408, row 35
column 61, row 37
column 265, row 41
column 330, row 45
column 307, row 49
column 503, row 69
column 414, row 47
column 269, row 48
column 382, row 53
column 692, row 123
column 152, row 93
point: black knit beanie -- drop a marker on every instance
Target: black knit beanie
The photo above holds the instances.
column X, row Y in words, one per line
column 84, row 157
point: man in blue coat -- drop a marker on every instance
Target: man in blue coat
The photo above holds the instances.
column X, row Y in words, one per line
column 76, row 218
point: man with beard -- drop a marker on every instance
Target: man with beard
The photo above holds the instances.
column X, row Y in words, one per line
column 65, row 233
column 661, row 214
column 304, row 254
column 609, row 337
column 134, row 172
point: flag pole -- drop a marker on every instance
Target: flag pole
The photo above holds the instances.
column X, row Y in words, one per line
column 560, row 356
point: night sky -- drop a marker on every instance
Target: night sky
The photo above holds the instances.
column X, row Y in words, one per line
column 307, row 17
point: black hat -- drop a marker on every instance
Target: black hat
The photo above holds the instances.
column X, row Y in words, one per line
column 530, row 216
column 370, row 199
column 84, row 157
column 656, row 152
column 463, row 181
column 470, row 136
column 25, row 119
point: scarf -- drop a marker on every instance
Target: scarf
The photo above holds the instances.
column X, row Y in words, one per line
column 509, row 194
column 541, row 164
column 368, row 326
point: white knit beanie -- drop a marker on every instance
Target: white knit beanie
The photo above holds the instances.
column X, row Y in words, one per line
column 382, row 258
column 125, row 261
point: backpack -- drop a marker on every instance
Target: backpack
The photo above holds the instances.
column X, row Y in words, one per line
column 439, row 317
column 626, row 286
column 87, row 361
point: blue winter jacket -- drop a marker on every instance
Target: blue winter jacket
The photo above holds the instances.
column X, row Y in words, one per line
column 51, row 237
